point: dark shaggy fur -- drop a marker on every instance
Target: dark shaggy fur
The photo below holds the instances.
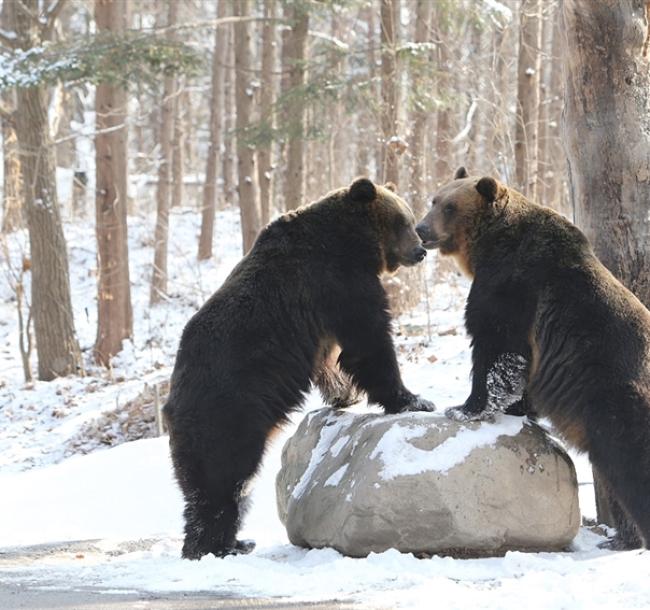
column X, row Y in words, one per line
column 308, row 290
column 539, row 291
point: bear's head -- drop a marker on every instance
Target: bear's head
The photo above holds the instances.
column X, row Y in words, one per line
column 393, row 223
column 456, row 209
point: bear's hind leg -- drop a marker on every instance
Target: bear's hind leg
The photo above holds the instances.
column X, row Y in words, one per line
column 213, row 484
column 622, row 463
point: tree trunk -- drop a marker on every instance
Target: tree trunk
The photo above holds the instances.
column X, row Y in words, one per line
column 476, row 85
column 12, row 208
column 418, row 134
column 607, row 134
column 246, row 174
column 443, row 169
column 555, row 193
column 294, row 187
column 230, row 137
column 390, row 17
column 166, row 135
column 545, row 99
column 114, row 311
column 526, row 125
column 56, row 345
column 12, row 196
column 264, row 160
column 178, row 149
column 214, row 149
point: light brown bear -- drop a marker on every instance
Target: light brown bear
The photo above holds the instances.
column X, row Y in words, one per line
column 540, row 293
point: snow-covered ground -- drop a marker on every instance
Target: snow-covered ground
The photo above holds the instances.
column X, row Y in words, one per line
column 124, row 498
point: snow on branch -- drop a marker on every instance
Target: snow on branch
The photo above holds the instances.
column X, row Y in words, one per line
column 105, row 57
column 464, row 132
column 8, row 38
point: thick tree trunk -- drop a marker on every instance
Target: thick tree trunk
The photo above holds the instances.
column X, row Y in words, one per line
column 264, row 160
column 56, row 345
column 294, row 184
column 114, row 311
column 390, row 17
column 246, row 174
column 607, row 134
column 419, row 116
column 166, row 135
column 526, row 125
column 214, row 149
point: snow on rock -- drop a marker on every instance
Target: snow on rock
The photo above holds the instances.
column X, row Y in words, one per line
column 421, row 483
column 402, row 458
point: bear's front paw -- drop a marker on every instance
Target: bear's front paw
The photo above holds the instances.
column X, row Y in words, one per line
column 462, row 414
column 417, row 403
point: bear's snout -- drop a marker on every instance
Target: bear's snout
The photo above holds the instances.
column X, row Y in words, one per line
column 418, row 254
column 429, row 240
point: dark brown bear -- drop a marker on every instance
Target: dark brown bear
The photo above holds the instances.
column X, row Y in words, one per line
column 539, row 292
column 308, row 289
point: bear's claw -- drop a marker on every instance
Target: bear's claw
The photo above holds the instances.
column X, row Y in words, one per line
column 419, row 404
column 461, row 415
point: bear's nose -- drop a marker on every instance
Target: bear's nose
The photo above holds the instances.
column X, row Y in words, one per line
column 423, row 232
column 419, row 253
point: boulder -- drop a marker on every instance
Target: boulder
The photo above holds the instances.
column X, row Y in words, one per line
column 424, row 484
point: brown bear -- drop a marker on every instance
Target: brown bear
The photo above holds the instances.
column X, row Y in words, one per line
column 539, row 293
column 306, row 305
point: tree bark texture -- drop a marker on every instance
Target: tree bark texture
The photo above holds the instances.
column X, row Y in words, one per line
column 420, row 116
column 230, row 135
column 12, row 198
column 264, row 160
column 443, row 164
column 163, row 195
column 390, row 16
column 56, row 344
column 607, row 135
column 526, row 124
column 214, row 148
column 294, row 185
column 178, row 148
column 246, row 173
column 12, row 189
column 114, row 310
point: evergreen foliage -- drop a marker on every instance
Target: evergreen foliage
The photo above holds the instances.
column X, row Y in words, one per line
column 118, row 59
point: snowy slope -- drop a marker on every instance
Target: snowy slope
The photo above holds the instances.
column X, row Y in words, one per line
column 127, row 493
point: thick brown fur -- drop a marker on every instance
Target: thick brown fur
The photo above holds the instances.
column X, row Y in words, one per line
column 306, row 305
column 539, row 291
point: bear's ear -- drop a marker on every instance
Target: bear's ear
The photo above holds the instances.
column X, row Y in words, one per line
column 363, row 190
column 391, row 187
column 487, row 187
column 461, row 172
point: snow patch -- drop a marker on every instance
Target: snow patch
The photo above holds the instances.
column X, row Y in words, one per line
column 329, row 431
column 401, row 458
column 335, row 449
column 335, row 479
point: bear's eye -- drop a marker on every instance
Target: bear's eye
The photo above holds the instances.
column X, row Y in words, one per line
column 449, row 210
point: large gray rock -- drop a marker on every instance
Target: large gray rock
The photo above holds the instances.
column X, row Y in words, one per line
column 421, row 483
